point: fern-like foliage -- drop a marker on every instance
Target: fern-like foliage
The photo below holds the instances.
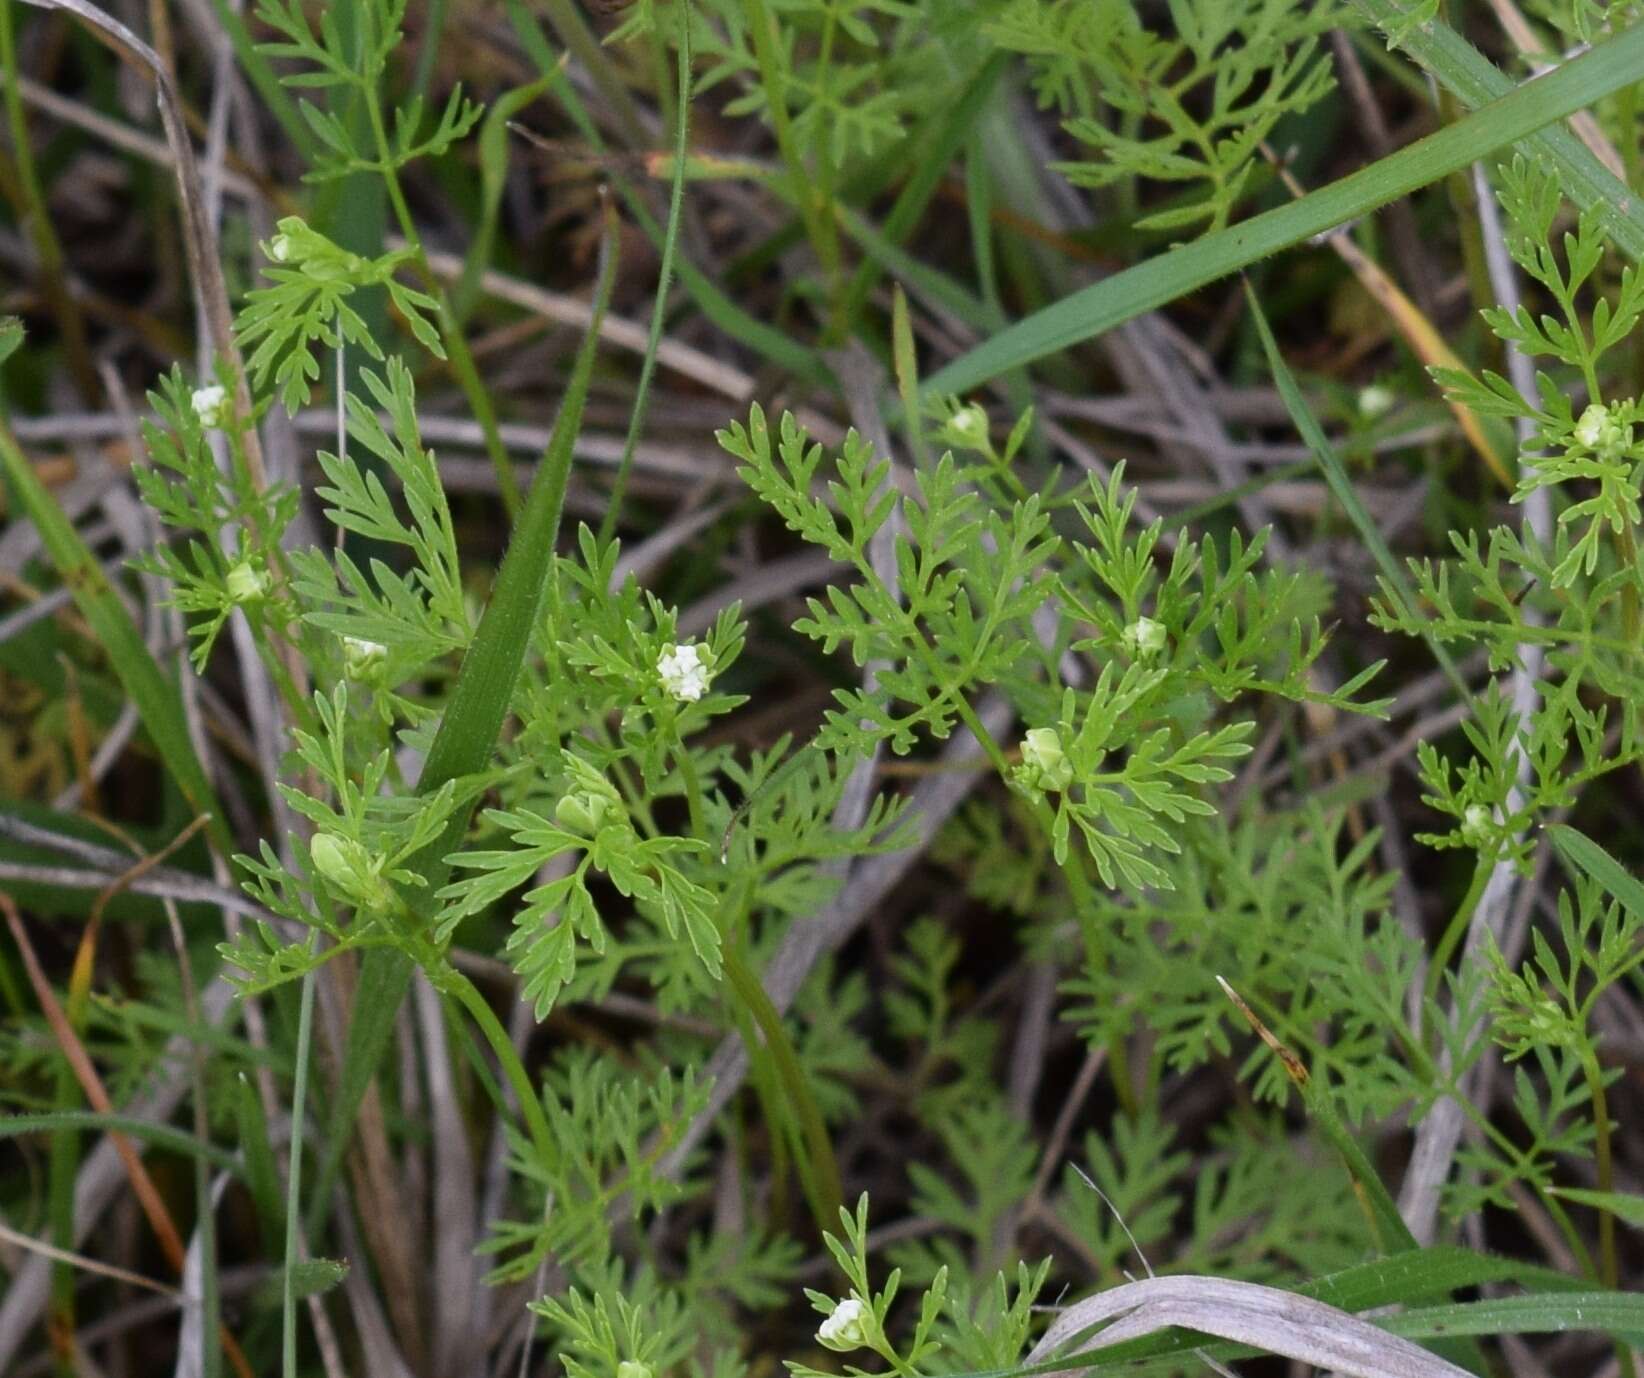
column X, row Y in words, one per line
column 1188, row 103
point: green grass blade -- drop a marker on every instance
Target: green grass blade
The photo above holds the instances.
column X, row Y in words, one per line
column 156, row 1135
column 157, row 701
column 664, row 279
column 770, row 343
column 952, row 130
column 1475, row 81
column 493, row 159
column 1341, row 486
column 1582, row 854
column 1126, row 295
column 468, row 731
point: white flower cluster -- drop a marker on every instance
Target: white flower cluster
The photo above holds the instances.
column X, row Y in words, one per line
column 210, row 405
column 844, row 1327
column 684, row 671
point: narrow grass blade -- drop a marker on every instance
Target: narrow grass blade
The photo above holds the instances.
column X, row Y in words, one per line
column 158, row 703
column 1126, row 295
column 162, row 1136
column 1582, row 854
column 952, row 128
column 1342, row 487
column 664, row 278
column 493, row 158
column 1391, row 1232
column 473, row 718
column 1475, row 81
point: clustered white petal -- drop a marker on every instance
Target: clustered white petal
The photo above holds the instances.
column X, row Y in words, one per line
column 843, row 1328
column 684, row 672
column 208, row 405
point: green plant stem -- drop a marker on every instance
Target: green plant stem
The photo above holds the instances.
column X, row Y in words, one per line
column 1079, row 882
column 452, row 982
column 293, row 1183
column 823, row 1173
column 1454, row 930
column 451, row 332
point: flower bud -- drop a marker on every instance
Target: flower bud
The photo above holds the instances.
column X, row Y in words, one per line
column 968, row 428
column 361, row 657
column 583, row 811
column 246, row 583
column 1375, row 400
column 1599, row 430
column 846, row 1327
column 1046, row 764
column 634, row 1368
column 1144, row 638
column 347, row 868
column 1476, row 825
column 280, row 249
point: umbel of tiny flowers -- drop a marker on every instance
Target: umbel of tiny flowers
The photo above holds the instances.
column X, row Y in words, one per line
column 846, row 1326
column 246, row 583
column 209, row 405
column 684, row 671
column 1600, row 430
column 1144, row 638
column 1044, row 763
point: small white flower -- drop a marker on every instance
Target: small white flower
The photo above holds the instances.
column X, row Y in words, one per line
column 246, row 584
column 1144, row 638
column 208, row 405
column 844, row 1328
column 279, row 248
column 360, row 656
column 1047, row 764
column 1376, row 400
column 684, row 672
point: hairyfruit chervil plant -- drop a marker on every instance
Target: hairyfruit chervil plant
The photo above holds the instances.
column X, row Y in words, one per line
column 546, row 796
